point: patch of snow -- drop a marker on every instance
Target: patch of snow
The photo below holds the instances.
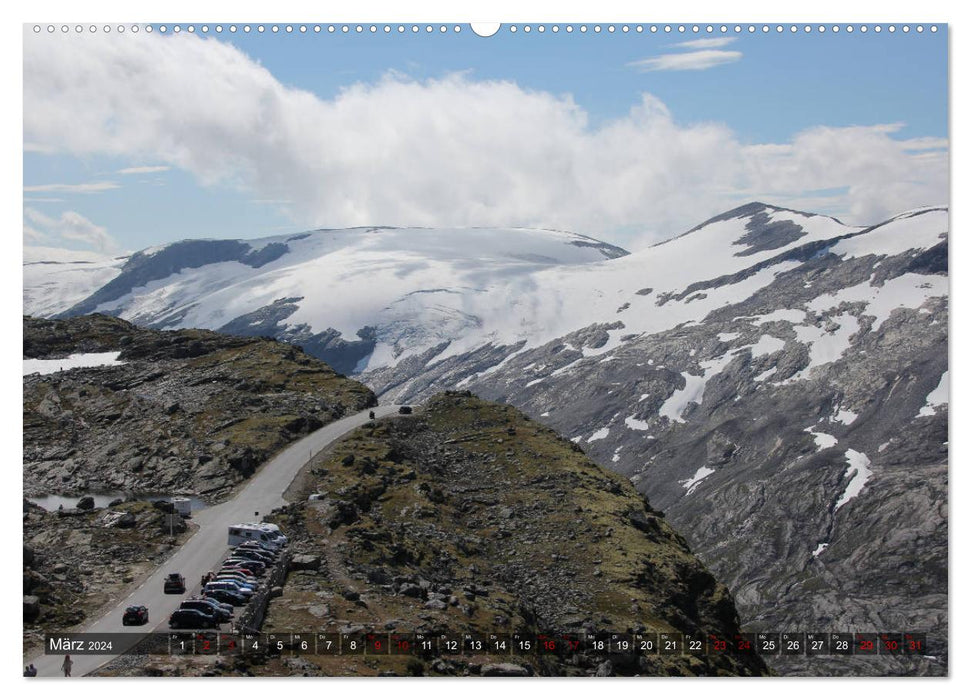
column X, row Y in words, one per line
column 544, row 414
column 725, row 337
column 767, row 345
column 599, row 435
column 820, row 548
column 938, row 397
column 700, row 475
column 823, row 440
column 825, row 347
column 694, row 388
column 84, row 359
column 616, row 456
column 635, row 424
column 535, row 381
column 859, row 472
column 762, row 376
column 883, row 446
column 844, row 416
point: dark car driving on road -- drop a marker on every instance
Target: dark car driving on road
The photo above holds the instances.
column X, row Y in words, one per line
column 175, row 583
column 135, row 615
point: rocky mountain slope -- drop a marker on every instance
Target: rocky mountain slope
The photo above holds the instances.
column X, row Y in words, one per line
column 470, row 517
column 182, row 412
column 795, row 433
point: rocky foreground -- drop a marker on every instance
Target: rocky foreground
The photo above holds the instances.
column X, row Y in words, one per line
column 186, row 412
column 78, row 560
column 470, row 517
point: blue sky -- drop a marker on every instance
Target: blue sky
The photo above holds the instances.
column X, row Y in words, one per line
column 852, row 125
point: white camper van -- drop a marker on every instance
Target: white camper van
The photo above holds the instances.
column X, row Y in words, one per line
column 264, row 533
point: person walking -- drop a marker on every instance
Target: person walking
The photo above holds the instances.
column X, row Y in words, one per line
column 66, row 666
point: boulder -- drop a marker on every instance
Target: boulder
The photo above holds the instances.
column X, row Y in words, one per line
column 85, row 503
column 504, row 669
column 412, row 590
column 305, row 562
column 31, row 608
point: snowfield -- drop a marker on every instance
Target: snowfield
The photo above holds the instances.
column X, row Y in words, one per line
column 56, row 279
column 87, row 359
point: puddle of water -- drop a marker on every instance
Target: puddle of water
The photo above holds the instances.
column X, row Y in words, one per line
column 101, row 500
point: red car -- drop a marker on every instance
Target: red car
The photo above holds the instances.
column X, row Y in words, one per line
column 135, row 615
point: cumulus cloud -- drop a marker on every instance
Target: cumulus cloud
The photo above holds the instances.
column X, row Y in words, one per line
column 693, row 60
column 448, row 152
column 144, row 169
column 69, row 226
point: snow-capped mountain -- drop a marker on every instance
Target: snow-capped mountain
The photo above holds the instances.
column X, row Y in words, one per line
column 56, row 279
column 353, row 297
column 775, row 380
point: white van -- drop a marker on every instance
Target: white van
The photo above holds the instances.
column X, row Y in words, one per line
column 264, row 533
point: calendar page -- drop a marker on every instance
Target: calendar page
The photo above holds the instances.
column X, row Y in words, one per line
column 515, row 349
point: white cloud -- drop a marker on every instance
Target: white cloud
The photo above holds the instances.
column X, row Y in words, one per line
column 715, row 43
column 448, row 152
column 693, row 60
column 78, row 188
column 144, row 169
column 69, row 226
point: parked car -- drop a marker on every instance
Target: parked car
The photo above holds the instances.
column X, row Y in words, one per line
column 225, row 607
column 255, row 567
column 192, row 619
column 255, row 553
column 404, row 410
column 175, row 583
column 244, row 559
column 237, row 570
column 135, row 615
column 243, row 585
column 225, row 596
column 230, row 586
column 247, row 581
column 247, row 557
column 206, row 607
column 260, row 546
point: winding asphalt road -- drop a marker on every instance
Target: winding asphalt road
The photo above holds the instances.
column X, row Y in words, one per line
column 208, row 546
